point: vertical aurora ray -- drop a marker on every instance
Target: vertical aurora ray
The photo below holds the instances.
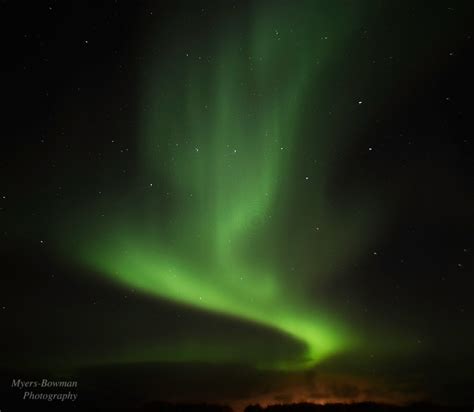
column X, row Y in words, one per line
column 217, row 135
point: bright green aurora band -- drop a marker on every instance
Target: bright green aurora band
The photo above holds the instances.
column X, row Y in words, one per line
column 222, row 117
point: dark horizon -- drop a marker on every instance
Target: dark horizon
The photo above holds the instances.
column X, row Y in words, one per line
column 133, row 386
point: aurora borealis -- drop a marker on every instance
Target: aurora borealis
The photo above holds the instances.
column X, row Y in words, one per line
column 223, row 143
column 269, row 198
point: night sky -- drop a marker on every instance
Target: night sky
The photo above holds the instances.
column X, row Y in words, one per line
column 239, row 201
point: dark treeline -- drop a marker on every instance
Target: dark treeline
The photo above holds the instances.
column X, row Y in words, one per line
column 159, row 406
column 354, row 407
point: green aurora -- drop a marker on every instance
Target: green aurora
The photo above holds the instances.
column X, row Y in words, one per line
column 218, row 144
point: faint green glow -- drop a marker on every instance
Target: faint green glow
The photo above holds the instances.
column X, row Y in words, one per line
column 218, row 131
